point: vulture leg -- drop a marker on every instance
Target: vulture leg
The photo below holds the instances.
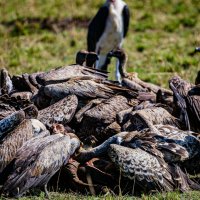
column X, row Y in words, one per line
column 46, row 191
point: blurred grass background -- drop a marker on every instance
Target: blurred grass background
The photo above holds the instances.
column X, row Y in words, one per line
column 164, row 196
column 36, row 35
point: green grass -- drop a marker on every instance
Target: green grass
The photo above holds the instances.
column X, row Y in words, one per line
column 166, row 196
column 162, row 36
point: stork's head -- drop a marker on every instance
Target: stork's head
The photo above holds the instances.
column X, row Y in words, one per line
column 111, row 1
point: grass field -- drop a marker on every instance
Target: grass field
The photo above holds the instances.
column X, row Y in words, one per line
column 167, row 196
column 37, row 35
column 162, row 36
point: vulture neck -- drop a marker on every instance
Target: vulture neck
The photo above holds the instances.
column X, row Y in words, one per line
column 75, row 144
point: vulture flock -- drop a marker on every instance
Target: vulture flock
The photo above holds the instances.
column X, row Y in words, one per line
column 75, row 130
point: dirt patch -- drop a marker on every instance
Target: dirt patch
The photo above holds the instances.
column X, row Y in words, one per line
column 56, row 25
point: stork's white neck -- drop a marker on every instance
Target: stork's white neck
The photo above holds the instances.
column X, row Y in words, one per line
column 117, row 4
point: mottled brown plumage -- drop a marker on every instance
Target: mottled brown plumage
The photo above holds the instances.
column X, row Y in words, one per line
column 6, row 110
column 10, row 104
column 91, row 104
column 37, row 161
column 189, row 105
column 22, row 83
column 174, row 144
column 84, row 88
column 63, row 74
column 148, row 117
column 100, row 120
column 125, row 115
column 148, row 169
column 13, row 141
column 141, row 166
column 17, row 102
column 60, row 112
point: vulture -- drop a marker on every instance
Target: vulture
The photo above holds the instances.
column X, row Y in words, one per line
column 63, row 74
column 61, row 111
column 188, row 101
column 107, row 30
column 6, row 85
column 13, row 141
column 148, row 158
column 37, row 161
column 148, row 169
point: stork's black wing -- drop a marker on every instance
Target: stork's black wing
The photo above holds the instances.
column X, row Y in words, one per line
column 126, row 19
column 96, row 27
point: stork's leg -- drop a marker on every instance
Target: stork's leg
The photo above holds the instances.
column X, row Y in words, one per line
column 107, row 62
column 117, row 73
column 100, row 63
column 46, row 191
